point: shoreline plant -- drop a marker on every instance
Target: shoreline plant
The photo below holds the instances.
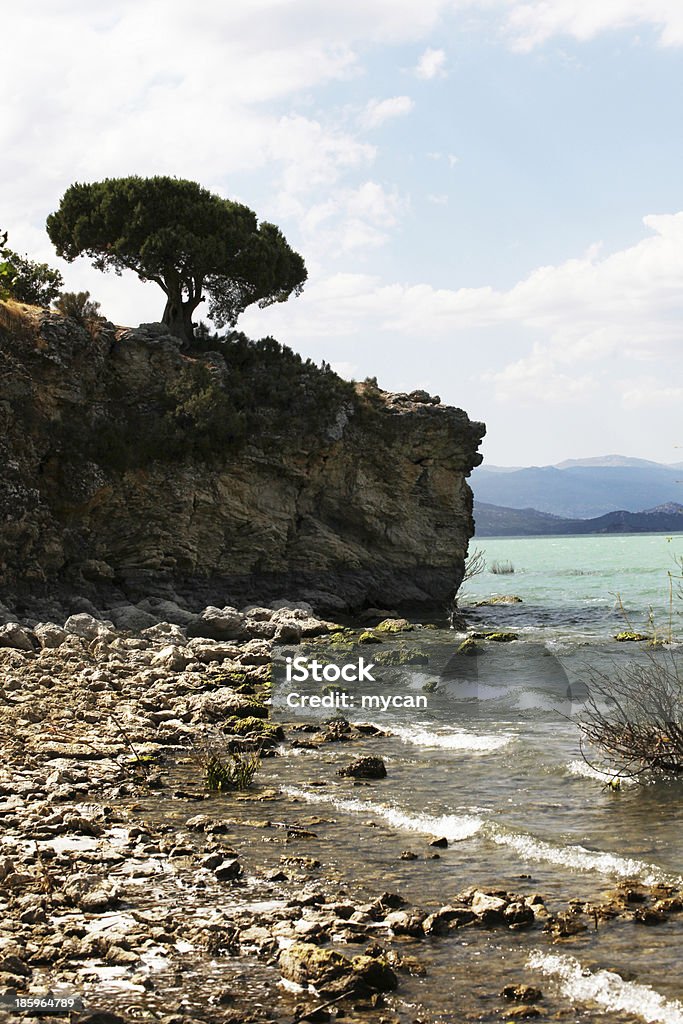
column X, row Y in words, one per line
column 634, row 715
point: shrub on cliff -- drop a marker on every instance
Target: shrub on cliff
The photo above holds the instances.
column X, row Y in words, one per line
column 250, row 391
column 79, row 306
column 182, row 237
column 24, row 280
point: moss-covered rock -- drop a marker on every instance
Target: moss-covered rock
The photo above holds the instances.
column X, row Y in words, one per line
column 629, row 636
column 395, row 659
column 469, row 646
column 394, row 626
column 253, row 726
column 369, row 636
column 498, row 637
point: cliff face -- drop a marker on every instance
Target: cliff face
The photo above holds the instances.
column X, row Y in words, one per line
column 366, row 503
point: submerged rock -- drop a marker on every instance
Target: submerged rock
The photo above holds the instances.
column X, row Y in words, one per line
column 365, row 768
column 333, row 974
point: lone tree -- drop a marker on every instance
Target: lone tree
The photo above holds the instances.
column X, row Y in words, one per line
column 192, row 243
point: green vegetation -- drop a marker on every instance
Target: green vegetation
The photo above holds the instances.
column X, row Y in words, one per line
column 236, row 771
column 248, row 390
column 192, row 243
column 79, row 306
column 475, row 565
column 633, row 716
column 24, row 280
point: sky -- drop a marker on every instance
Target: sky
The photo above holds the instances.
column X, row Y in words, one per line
column 488, row 194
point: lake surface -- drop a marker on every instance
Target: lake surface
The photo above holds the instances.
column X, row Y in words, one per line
column 494, row 764
column 574, row 585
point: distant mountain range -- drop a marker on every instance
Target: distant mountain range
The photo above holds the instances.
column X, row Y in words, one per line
column 581, row 488
column 496, row 521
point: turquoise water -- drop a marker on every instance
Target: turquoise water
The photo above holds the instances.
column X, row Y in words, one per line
column 576, row 584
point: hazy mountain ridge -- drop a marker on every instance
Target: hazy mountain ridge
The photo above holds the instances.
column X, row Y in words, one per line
column 497, row 521
column 582, row 488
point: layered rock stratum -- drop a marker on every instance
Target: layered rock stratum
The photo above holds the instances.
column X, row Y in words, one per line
column 123, row 468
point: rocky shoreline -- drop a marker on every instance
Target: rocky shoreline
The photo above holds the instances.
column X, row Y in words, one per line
column 123, row 880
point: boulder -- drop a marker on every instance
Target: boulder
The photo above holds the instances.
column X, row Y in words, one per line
column 173, row 658
column 167, row 632
column 227, row 870
column 49, row 635
column 394, row 626
column 89, row 628
column 130, row 618
column 365, row 768
column 16, row 636
column 217, row 705
column 212, row 650
column 403, row 922
column 257, row 613
column 446, row 919
column 332, row 973
column 307, row 623
column 481, row 902
column 217, row 624
column 519, row 914
column 166, row 611
column 522, row 993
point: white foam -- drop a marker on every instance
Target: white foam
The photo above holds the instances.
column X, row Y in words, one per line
column 606, row 989
column 580, row 858
column 461, row 739
column 588, row 772
column 453, row 827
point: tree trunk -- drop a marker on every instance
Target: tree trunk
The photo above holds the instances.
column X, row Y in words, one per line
column 178, row 318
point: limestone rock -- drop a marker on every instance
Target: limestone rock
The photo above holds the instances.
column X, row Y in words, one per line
column 89, row 628
column 217, row 624
column 373, row 509
column 49, row 634
column 218, row 705
column 16, row 636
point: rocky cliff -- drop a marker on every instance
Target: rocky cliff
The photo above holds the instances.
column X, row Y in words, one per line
column 129, row 465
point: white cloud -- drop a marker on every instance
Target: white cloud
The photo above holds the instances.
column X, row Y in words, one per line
column 585, row 317
column 378, row 111
column 350, row 219
column 437, row 200
column 224, row 95
column 311, row 154
column 535, row 21
column 537, row 380
column 432, row 64
column 650, row 393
